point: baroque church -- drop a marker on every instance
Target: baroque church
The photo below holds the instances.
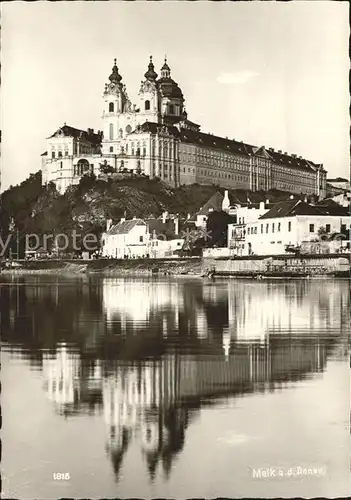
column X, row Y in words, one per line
column 155, row 138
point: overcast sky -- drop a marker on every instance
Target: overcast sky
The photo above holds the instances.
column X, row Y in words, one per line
column 273, row 74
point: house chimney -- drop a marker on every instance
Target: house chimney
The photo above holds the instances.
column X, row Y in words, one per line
column 267, row 201
column 108, row 224
column 123, row 219
column 176, row 225
column 164, row 217
column 261, row 205
column 225, row 202
column 188, row 217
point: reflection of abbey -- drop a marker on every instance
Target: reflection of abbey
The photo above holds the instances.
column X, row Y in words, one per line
column 155, row 138
column 147, row 357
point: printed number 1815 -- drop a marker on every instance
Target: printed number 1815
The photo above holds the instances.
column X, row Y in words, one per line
column 61, row 476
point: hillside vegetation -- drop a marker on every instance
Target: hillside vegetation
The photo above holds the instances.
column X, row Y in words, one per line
column 33, row 208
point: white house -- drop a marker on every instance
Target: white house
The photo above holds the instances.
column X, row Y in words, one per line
column 289, row 223
column 137, row 238
column 245, row 214
column 127, row 239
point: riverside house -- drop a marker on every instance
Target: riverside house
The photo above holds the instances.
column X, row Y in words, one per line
column 292, row 222
column 139, row 238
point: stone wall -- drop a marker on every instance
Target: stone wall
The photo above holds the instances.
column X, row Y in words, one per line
column 318, row 264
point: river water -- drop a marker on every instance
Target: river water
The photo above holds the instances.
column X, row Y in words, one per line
column 174, row 388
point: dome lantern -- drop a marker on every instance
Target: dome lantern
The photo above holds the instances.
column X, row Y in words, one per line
column 165, row 70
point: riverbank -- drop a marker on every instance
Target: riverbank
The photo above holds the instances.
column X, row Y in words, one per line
column 249, row 267
column 109, row 267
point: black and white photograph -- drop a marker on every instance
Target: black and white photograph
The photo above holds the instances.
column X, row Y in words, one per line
column 175, row 261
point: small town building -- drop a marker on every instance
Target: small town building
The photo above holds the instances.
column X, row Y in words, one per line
column 290, row 223
column 139, row 238
column 245, row 214
column 337, row 186
column 214, row 204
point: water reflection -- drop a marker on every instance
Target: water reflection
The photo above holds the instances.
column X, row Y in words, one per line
column 148, row 355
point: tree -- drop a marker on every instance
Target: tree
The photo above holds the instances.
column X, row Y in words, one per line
column 106, row 169
column 87, row 181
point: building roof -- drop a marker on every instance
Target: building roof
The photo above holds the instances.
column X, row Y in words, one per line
column 291, row 208
column 213, row 204
column 167, row 229
column 44, row 154
column 77, row 133
column 124, row 227
column 338, row 179
column 329, row 206
column 232, row 146
column 293, row 161
column 214, row 142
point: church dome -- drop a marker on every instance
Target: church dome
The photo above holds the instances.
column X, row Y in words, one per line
column 151, row 74
column 169, row 88
column 115, row 77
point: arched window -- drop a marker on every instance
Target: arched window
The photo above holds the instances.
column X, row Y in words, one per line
column 111, row 107
column 147, row 105
column 82, row 167
column 111, row 131
column 111, row 149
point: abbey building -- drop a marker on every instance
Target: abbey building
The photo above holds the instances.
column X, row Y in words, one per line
column 155, row 138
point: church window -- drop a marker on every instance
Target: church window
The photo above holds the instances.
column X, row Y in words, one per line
column 147, row 105
column 111, row 149
column 111, row 107
column 111, row 131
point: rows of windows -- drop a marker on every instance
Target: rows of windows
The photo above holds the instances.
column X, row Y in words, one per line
column 214, row 173
column 277, row 227
column 266, row 228
column 59, row 154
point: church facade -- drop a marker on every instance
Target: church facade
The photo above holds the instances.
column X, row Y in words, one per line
column 156, row 138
